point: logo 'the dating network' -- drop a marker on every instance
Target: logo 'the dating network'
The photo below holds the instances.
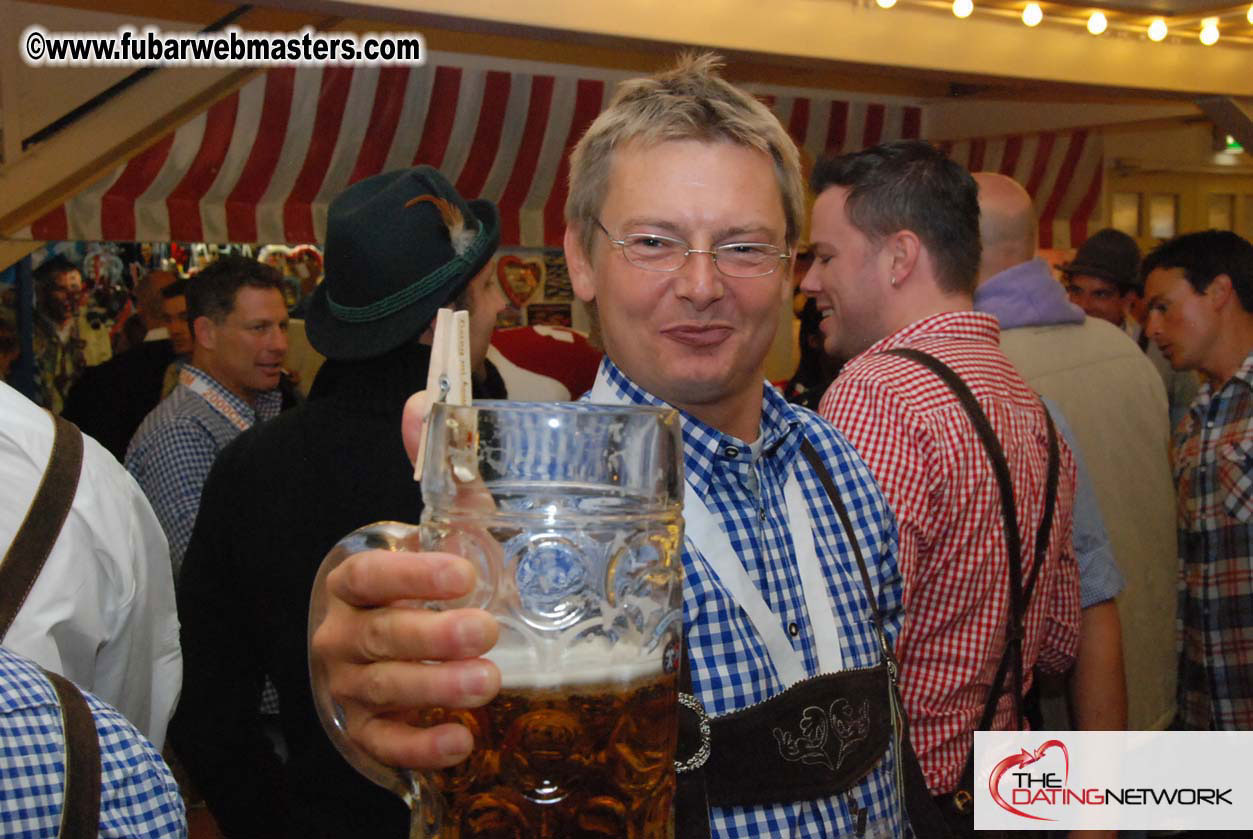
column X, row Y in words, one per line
column 1099, row 780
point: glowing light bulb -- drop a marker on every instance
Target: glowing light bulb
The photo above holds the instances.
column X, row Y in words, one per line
column 1097, row 23
column 885, row 4
column 1032, row 15
column 1157, row 30
column 1249, row 16
column 1209, row 31
column 963, row 8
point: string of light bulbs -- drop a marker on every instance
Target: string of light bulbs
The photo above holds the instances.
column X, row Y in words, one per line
column 1097, row 22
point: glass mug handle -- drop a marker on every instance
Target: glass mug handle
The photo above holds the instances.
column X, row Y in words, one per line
column 416, row 789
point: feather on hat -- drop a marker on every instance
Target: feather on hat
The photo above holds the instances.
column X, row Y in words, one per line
column 459, row 233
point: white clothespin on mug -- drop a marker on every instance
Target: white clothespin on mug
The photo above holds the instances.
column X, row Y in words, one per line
column 448, row 379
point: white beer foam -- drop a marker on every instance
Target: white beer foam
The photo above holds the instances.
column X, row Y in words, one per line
column 586, row 664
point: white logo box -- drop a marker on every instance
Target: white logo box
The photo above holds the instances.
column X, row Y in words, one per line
column 1133, row 780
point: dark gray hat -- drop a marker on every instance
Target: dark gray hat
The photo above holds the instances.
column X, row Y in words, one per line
column 398, row 247
column 1108, row 254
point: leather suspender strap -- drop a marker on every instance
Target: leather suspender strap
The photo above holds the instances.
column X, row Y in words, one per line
column 815, row 462
column 1009, row 521
column 80, row 809
column 25, row 558
column 912, row 785
column 1041, row 555
column 39, row 530
column 1020, row 596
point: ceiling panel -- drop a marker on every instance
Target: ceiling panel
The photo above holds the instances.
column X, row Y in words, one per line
column 1185, row 8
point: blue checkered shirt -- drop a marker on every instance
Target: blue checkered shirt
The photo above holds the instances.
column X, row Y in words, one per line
column 731, row 668
column 175, row 446
column 138, row 796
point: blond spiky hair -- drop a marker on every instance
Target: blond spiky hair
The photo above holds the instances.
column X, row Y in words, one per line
column 689, row 101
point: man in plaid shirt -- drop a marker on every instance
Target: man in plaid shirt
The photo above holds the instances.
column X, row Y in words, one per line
column 685, row 204
column 239, row 327
column 1200, row 292
column 895, row 238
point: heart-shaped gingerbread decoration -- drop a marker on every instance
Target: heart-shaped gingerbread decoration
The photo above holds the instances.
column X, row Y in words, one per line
column 519, row 278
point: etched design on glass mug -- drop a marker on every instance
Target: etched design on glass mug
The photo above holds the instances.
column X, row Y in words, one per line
column 571, row 515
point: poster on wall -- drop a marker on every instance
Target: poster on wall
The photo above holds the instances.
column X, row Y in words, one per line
column 509, row 317
column 537, row 286
column 549, row 314
column 557, row 288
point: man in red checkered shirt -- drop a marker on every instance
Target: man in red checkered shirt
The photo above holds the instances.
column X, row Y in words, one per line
column 895, row 237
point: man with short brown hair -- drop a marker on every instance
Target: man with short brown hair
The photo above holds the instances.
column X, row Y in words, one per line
column 1200, row 292
column 895, row 236
column 239, row 327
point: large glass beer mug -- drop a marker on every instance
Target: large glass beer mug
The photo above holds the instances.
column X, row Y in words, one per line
column 571, row 515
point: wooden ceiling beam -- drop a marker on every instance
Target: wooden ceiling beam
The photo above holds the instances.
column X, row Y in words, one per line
column 11, row 250
column 88, row 149
column 51, row 172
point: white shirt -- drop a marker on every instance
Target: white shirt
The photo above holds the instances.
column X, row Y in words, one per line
column 102, row 611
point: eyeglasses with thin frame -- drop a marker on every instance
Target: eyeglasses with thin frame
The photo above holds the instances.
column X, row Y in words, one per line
column 653, row 252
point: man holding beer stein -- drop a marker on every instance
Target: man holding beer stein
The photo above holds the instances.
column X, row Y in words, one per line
column 684, row 209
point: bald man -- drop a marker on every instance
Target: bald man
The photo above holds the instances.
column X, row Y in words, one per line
column 1115, row 403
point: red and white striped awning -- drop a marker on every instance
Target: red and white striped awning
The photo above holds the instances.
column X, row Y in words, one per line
column 262, row 164
column 1061, row 170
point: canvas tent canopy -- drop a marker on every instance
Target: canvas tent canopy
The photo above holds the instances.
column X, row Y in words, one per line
column 262, row 164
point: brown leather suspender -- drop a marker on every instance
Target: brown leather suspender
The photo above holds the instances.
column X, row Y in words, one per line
column 80, row 810
column 25, row 558
column 962, row 802
column 39, row 530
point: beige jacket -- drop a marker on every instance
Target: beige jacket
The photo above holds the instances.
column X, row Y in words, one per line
column 1115, row 402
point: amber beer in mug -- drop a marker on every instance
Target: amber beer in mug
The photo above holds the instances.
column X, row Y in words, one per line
column 591, row 758
column 571, row 515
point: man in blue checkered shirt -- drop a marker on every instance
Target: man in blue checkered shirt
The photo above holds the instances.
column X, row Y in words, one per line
column 238, row 318
column 138, row 795
column 685, row 204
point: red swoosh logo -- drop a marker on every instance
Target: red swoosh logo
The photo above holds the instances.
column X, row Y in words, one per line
column 1024, row 758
